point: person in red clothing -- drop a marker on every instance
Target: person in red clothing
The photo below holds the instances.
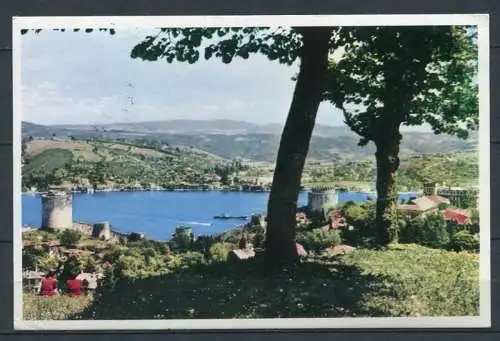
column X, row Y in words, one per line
column 74, row 286
column 49, row 284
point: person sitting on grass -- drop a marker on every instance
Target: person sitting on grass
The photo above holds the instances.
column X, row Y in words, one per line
column 49, row 284
column 74, row 285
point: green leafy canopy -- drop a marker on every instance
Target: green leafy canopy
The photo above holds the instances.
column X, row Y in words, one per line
column 188, row 44
column 392, row 76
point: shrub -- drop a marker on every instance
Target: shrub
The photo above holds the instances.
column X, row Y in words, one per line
column 182, row 241
column 48, row 262
column 112, row 254
column 474, row 223
column 431, row 230
column 72, row 266
column 259, row 240
column 32, row 257
column 134, row 237
column 242, row 244
column 318, row 239
column 130, row 266
column 191, row 258
column 219, row 252
column 464, row 241
column 434, row 231
column 70, row 237
column 149, row 252
column 203, row 244
column 361, row 219
column 90, row 265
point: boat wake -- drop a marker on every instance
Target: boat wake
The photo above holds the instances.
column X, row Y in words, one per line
column 195, row 223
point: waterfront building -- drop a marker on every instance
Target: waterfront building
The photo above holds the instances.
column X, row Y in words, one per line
column 456, row 195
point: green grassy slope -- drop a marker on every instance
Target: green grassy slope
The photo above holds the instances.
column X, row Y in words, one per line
column 406, row 280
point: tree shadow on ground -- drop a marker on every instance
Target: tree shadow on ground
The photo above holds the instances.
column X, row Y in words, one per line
column 239, row 290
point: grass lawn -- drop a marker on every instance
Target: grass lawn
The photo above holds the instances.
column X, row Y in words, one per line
column 405, row 280
column 53, row 308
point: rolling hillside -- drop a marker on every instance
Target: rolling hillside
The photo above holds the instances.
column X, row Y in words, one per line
column 108, row 164
column 113, row 164
column 235, row 139
column 458, row 169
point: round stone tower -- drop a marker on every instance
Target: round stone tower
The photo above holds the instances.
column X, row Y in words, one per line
column 102, row 231
column 319, row 199
column 57, row 210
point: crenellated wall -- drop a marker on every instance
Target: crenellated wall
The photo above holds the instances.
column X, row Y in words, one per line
column 320, row 199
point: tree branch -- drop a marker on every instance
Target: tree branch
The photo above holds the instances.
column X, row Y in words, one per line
column 351, row 123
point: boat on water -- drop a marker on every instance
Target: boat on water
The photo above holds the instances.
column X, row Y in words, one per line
column 225, row 216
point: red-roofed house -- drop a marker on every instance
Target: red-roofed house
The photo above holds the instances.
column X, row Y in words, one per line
column 52, row 245
column 300, row 250
column 339, row 250
column 457, row 215
column 301, row 217
column 337, row 221
column 241, row 254
column 438, row 199
column 424, row 204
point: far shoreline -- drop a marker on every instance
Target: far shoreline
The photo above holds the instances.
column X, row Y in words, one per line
column 124, row 190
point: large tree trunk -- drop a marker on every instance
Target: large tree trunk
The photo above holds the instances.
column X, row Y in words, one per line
column 294, row 145
column 387, row 156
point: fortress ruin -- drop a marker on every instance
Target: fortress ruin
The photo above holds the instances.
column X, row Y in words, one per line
column 320, row 199
column 57, row 210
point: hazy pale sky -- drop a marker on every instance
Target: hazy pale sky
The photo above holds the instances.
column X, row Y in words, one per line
column 76, row 77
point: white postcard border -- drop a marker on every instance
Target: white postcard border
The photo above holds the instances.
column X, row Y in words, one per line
column 481, row 20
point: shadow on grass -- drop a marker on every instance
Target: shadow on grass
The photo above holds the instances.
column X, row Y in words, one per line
column 242, row 290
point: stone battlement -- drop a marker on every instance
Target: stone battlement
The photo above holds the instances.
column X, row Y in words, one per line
column 320, row 189
column 322, row 198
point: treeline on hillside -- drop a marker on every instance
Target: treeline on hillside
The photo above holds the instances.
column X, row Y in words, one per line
column 107, row 163
column 173, row 165
column 460, row 169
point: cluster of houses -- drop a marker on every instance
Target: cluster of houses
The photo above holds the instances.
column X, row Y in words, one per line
column 250, row 252
column 335, row 222
column 432, row 204
column 32, row 281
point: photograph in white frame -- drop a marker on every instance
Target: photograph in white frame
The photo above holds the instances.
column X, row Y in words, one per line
column 251, row 172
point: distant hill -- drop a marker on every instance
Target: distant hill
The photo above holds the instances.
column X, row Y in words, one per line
column 47, row 161
column 237, row 139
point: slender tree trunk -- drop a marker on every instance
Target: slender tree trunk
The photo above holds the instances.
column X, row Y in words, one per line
column 387, row 156
column 294, row 145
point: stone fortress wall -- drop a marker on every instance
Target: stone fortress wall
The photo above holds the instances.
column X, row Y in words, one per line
column 319, row 199
column 57, row 215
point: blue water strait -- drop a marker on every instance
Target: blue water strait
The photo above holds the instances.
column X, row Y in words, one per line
column 157, row 214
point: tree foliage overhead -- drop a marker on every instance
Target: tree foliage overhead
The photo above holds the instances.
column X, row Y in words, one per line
column 427, row 74
column 226, row 43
